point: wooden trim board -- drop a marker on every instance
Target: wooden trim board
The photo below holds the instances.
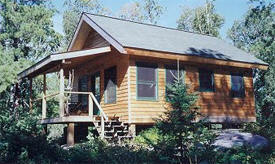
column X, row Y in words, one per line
column 194, row 59
column 62, row 56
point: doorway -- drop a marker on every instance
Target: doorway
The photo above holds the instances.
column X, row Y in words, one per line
column 95, row 88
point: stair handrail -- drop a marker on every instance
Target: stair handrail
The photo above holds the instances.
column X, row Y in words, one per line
column 98, row 106
column 94, row 99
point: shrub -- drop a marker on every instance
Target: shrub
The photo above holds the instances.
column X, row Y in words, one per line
column 148, row 137
column 245, row 155
column 177, row 137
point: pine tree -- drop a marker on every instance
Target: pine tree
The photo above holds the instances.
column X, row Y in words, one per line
column 186, row 135
column 26, row 35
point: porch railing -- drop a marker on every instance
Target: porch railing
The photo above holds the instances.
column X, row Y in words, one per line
column 91, row 100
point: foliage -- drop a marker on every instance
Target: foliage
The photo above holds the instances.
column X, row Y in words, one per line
column 148, row 137
column 255, row 33
column 244, row 155
column 144, row 11
column 183, row 135
column 26, row 34
column 203, row 20
column 73, row 10
column 21, row 137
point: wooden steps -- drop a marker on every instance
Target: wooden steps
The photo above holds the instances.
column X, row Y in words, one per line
column 114, row 129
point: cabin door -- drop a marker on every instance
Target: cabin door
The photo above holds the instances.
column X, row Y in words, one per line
column 95, row 88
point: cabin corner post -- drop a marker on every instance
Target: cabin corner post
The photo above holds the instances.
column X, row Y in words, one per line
column 61, row 92
column 30, row 93
column 44, row 101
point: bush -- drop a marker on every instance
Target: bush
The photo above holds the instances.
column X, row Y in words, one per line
column 148, row 137
column 245, row 155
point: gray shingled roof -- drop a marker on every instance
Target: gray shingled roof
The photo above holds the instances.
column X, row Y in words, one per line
column 152, row 37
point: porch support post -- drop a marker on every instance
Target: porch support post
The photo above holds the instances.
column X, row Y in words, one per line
column 30, row 92
column 90, row 108
column 132, row 130
column 61, row 92
column 70, row 134
column 102, row 127
column 44, row 102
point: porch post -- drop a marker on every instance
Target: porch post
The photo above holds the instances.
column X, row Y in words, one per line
column 61, row 92
column 70, row 134
column 91, row 106
column 132, row 129
column 102, row 126
column 30, row 92
column 44, row 102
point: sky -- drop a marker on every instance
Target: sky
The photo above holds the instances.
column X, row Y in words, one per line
column 231, row 10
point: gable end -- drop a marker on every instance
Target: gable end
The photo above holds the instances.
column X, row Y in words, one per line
column 88, row 30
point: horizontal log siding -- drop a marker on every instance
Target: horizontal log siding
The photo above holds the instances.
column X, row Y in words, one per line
column 218, row 103
column 100, row 63
column 94, row 40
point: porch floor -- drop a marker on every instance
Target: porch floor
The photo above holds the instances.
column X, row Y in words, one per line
column 67, row 119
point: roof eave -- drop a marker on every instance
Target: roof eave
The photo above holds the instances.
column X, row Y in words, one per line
column 98, row 29
column 195, row 59
column 59, row 57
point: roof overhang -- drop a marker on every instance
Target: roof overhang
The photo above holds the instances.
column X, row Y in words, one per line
column 51, row 62
column 193, row 59
column 98, row 29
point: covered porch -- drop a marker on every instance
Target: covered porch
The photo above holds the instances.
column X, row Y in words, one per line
column 68, row 113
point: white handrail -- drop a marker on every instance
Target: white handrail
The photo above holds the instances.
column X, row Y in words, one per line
column 99, row 107
column 95, row 101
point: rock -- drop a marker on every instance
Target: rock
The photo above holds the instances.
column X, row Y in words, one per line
column 258, row 142
column 234, row 138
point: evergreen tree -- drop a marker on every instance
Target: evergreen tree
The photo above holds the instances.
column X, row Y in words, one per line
column 185, row 134
column 26, row 35
column 203, row 20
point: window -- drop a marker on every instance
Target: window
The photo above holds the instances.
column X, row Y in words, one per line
column 146, row 81
column 172, row 74
column 237, row 85
column 83, row 87
column 110, row 85
column 206, row 78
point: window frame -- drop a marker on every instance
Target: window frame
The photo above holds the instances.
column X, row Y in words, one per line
column 105, row 86
column 154, row 65
column 242, row 94
column 212, row 79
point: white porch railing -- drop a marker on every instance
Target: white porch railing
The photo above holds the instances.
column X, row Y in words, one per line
column 91, row 100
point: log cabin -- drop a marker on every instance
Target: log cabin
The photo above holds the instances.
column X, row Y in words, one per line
column 114, row 75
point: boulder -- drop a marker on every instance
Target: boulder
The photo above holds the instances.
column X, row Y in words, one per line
column 258, row 142
column 235, row 138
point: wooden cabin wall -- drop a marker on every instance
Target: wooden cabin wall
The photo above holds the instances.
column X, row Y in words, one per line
column 101, row 63
column 218, row 103
column 94, row 40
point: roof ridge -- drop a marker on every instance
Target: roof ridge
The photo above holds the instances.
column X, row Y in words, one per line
column 149, row 24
